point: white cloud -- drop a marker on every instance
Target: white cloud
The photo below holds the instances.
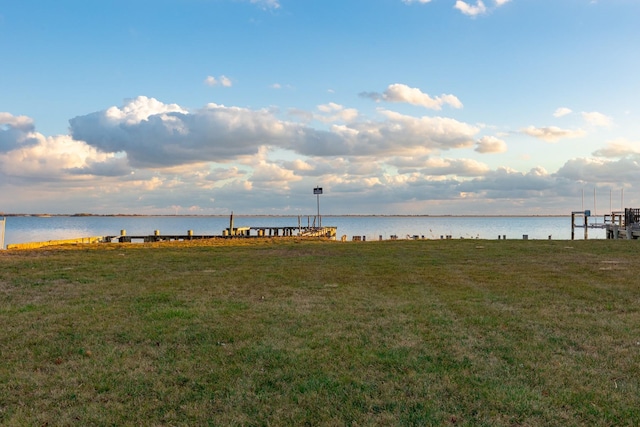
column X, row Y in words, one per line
column 223, row 174
column 618, row 148
column 407, row 135
column 508, row 183
column 53, row 158
column 562, row 111
column 272, row 176
column 22, row 123
column 267, row 4
column 601, row 171
column 471, row 10
column 456, row 167
column 332, row 112
column 221, row 81
column 140, row 109
column 552, row 133
column 299, row 165
column 225, row 81
column 501, row 2
column 153, row 134
column 402, row 93
column 490, row 144
column 416, row 1
column 597, row 119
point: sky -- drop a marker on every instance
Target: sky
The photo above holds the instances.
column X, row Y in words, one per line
column 403, row 107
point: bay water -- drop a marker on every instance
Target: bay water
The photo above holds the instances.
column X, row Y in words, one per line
column 23, row 229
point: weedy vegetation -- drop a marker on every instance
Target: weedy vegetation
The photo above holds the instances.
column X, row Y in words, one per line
column 298, row 332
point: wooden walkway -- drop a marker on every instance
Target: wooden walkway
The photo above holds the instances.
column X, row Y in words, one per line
column 235, row 233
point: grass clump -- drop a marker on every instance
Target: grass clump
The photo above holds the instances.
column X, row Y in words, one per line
column 287, row 332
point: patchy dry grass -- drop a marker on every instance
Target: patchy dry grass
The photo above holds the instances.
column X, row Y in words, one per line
column 288, row 332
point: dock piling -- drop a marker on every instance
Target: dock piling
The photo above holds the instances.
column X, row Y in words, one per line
column 2, row 228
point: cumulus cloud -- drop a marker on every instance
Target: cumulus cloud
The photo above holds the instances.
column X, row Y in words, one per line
column 113, row 166
column 332, row 112
column 21, row 123
column 490, row 144
column 597, row 119
column 220, row 81
column 402, row 93
column 51, row 158
column 618, row 148
column 562, row 111
column 552, row 133
column 508, row 183
column 272, row 176
column 15, row 132
column 471, row 10
column 299, row 166
column 397, row 135
column 456, row 167
column 601, row 170
column 223, row 174
column 153, row 134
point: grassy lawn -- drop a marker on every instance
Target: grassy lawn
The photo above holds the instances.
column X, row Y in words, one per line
column 285, row 332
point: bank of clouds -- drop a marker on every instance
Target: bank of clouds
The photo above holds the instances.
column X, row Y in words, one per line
column 149, row 155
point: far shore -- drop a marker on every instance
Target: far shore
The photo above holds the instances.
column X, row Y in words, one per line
column 41, row 215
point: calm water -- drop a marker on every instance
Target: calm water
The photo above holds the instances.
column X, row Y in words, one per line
column 35, row 229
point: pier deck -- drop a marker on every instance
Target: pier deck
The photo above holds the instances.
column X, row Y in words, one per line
column 230, row 233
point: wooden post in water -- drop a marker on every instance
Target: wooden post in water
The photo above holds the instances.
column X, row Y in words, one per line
column 573, row 225
column 586, row 226
column 2, row 228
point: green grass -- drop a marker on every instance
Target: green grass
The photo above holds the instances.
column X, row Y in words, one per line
column 285, row 332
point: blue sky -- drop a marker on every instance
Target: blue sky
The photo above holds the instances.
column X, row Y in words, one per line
column 392, row 106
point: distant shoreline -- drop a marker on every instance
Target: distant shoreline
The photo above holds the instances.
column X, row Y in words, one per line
column 290, row 216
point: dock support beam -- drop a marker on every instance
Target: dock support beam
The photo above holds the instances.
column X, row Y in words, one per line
column 586, row 227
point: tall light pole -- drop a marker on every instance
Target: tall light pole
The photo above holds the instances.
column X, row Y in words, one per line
column 318, row 191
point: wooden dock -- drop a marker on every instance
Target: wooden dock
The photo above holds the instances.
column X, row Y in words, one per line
column 618, row 225
column 230, row 233
column 623, row 225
